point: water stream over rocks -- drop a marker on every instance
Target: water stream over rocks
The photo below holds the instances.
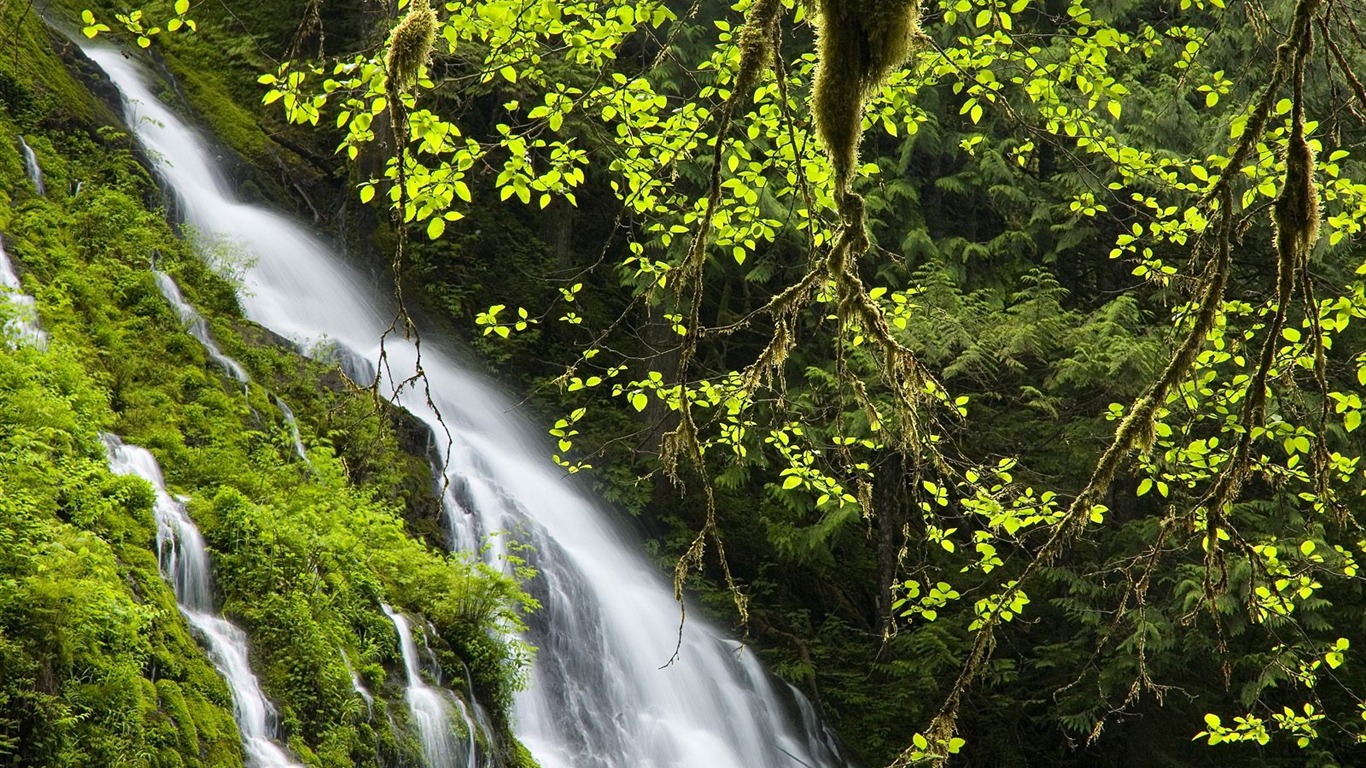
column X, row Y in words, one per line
column 184, row 562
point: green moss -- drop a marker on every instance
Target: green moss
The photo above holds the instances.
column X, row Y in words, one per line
column 35, row 85
column 211, row 101
column 410, row 45
column 860, row 43
column 97, row 666
column 173, row 704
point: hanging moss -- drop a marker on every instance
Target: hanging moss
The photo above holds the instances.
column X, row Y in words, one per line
column 756, row 43
column 860, row 43
column 410, row 45
column 1296, row 211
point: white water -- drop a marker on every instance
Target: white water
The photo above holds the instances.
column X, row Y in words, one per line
column 21, row 329
column 429, row 706
column 357, row 685
column 292, row 424
column 198, row 327
column 184, row 562
column 598, row 696
column 35, row 171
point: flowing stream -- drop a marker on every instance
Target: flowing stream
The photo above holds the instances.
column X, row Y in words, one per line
column 199, row 328
column 602, row 692
column 185, row 564
column 35, row 171
column 357, row 685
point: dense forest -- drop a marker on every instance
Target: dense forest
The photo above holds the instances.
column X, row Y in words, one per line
column 989, row 372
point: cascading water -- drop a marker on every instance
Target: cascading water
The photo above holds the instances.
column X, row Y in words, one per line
column 35, row 171
column 21, row 327
column 184, row 563
column 292, row 424
column 358, row 686
column 601, row 695
column 429, row 706
column 199, row 328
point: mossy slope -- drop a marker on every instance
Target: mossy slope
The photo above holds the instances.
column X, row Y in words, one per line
column 97, row 667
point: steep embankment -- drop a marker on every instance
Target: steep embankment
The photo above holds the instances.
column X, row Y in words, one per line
column 97, row 665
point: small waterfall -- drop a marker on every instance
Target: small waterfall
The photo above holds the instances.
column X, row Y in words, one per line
column 471, row 748
column 184, row 562
column 35, row 171
column 357, row 367
column 292, row 424
column 479, row 715
column 358, row 686
column 462, row 524
column 819, row 735
column 22, row 328
column 198, row 327
column 429, row 706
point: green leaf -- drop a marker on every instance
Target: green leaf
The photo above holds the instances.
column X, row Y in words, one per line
column 639, row 400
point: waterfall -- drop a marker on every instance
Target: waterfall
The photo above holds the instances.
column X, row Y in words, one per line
column 35, row 171
column 429, row 706
column 292, row 424
column 199, row 328
column 21, row 318
column 601, row 693
column 184, row 562
column 475, row 714
column 357, row 685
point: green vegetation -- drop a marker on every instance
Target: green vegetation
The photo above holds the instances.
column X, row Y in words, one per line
column 97, row 666
column 1020, row 385
column 1023, row 419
